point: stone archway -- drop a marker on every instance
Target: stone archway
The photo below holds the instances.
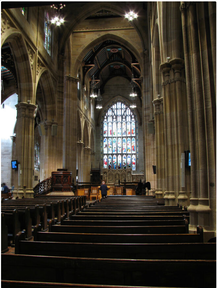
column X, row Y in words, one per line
column 25, row 108
column 50, row 160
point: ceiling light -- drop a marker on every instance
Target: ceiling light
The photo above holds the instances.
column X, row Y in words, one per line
column 131, row 16
column 98, row 106
column 57, row 19
column 99, row 100
column 92, row 94
column 133, row 105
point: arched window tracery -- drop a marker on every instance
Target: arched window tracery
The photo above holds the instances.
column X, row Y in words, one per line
column 119, row 138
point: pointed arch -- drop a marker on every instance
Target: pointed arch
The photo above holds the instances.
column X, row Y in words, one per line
column 79, row 136
column 45, row 96
column 107, row 36
column 86, row 135
column 113, row 101
column 91, row 8
column 22, row 66
column 92, row 142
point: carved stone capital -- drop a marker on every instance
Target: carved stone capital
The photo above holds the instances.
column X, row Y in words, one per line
column 165, row 68
column 177, row 65
column 80, row 143
column 25, row 110
column 158, row 107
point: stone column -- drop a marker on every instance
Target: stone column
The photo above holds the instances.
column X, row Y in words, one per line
column 212, row 24
column 169, row 194
column 199, row 201
column 87, row 164
column 80, row 151
column 48, row 147
column 159, row 136
column 70, row 124
column 25, row 147
column 182, row 131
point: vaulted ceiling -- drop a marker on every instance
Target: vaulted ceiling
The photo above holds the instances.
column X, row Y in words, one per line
column 110, row 59
column 102, row 63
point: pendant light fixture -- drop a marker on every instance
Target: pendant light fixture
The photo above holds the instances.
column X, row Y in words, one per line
column 99, row 100
column 131, row 15
column 92, row 93
column 57, row 19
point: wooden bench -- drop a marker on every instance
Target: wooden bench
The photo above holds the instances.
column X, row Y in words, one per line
column 120, row 238
column 147, row 221
column 38, row 213
column 136, row 272
column 150, row 216
column 116, row 250
column 165, row 229
column 4, row 234
column 57, row 209
column 17, row 220
column 13, row 225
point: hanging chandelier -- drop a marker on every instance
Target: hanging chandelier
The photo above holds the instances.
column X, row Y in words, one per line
column 133, row 105
column 57, row 19
column 92, row 93
column 131, row 15
column 133, row 93
column 99, row 100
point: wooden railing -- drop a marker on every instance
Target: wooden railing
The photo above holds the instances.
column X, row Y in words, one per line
column 43, row 187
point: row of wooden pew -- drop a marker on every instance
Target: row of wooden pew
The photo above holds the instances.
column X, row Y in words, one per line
column 121, row 241
column 26, row 214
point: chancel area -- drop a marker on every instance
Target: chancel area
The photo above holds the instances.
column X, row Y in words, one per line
column 120, row 92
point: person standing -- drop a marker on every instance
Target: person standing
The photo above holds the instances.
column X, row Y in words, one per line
column 5, row 188
column 103, row 189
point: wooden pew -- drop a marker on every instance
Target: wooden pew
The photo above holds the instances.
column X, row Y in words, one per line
column 34, row 284
column 147, row 221
column 38, row 213
column 4, row 234
column 148, row 216
column 55, row 208
column 165, row 229
column 116, row 250
column 120, row 238
column 17, row 220
column 136, row 272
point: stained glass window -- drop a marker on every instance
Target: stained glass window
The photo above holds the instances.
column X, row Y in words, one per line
column 47, row 34
column 37, row 157
column 119, row 138
column 24, row 11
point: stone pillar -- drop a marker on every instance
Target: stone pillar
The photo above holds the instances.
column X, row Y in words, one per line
column 212, row 24
column 80, row 151
column 70, row 124
column 48, row 147
column 199, row 202
column 25, row 147
column 182, row 130
column 87, row 164
column 169, row 194
column 159, row 136
column 192, row 143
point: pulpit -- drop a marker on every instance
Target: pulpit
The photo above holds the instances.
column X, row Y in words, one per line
column 62, row 181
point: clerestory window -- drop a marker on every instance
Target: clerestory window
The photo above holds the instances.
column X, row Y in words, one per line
column 47, row 33
column 119, row 138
